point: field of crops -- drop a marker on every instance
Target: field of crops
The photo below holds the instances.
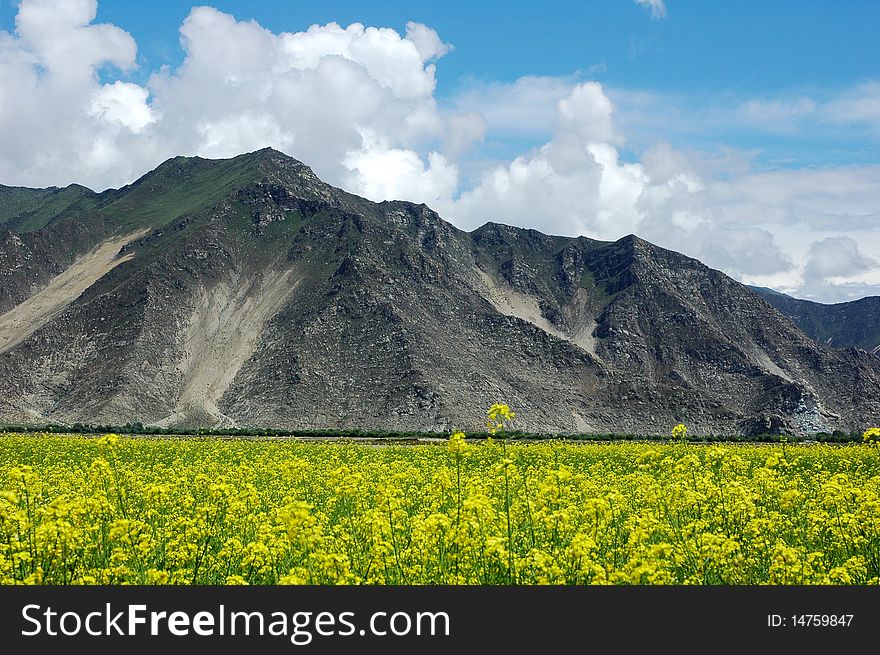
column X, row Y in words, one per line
column 76, row 510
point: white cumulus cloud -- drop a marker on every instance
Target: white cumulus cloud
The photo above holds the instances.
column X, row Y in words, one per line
column 58, row 123
column 574, row 184
column 835, row 257
column 381, row 172
column 837, row 270
column 427, row 41
column 123, row 103
column 313, row 93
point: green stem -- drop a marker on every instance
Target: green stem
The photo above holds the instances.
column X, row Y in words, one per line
column 510, row 571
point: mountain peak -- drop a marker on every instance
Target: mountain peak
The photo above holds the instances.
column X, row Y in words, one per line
column 275, row 163
column 258, row 162
column 270, row 156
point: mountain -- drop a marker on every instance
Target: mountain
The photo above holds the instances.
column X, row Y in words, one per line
column 246, row 291
column 841, row 325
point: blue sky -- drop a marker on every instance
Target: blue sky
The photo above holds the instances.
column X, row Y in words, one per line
column 710, row 45
column 746, row 134
column 705, row 53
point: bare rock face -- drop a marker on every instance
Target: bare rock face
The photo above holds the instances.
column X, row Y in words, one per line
column 248, row 292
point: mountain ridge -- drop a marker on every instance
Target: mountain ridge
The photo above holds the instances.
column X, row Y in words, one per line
column 253, row 293
column 853, row 323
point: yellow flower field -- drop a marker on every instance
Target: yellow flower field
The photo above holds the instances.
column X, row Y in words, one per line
column 77, row 510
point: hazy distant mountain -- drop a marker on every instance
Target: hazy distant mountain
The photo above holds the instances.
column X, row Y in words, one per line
column 246, row 291
column 855, row 323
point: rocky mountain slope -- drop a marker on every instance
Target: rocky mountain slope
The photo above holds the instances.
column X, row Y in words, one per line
column 840, row 325
column 247, row 292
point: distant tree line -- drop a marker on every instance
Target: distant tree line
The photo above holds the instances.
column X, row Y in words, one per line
column 138, row 428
